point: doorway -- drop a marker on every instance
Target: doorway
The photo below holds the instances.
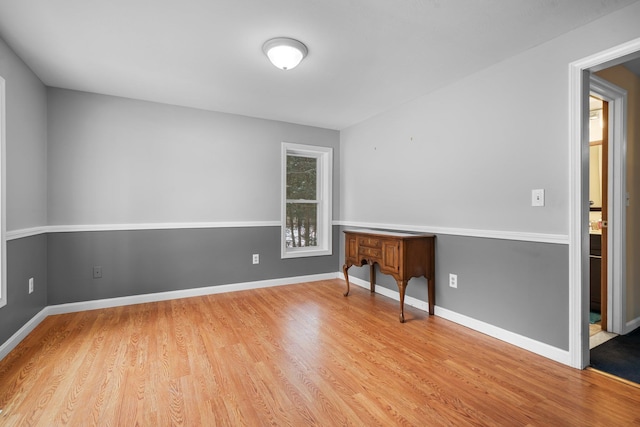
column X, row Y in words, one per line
column 581, row 86
column 607, row 177
column 598, row 219
column 613, row 207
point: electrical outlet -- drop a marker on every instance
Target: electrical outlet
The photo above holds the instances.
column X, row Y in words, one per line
column 256, row 258
column 31, row 285
column 453, row 280
column 97, row 272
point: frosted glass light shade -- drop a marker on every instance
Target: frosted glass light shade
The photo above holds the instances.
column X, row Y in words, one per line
column 284, row 53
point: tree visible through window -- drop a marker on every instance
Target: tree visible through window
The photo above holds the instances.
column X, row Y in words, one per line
column 302, row 201
column 306, row 211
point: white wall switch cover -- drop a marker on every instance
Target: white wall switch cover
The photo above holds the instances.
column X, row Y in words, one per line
column 537, row 197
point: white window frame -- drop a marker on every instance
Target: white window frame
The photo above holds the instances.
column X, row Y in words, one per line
column 325, row 184
column 3, row 226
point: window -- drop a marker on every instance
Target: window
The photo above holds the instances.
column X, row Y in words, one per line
column 3, row 242
column 306, row 200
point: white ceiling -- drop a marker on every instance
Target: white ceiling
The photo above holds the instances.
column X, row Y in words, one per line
column 365, row 56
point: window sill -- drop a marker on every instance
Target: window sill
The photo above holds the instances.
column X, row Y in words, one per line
column 303, row 252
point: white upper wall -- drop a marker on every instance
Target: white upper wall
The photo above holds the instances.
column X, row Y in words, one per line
column 121, row 161
column 467, row 156
column 26, row 150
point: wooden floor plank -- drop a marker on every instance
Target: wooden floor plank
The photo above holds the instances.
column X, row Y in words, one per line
column 291, row 355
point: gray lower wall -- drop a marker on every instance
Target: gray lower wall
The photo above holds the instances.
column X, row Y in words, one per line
column 148, row 261
column 26, row 258
column 518, row 286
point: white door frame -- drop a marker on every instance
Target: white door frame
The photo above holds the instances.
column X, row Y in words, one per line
column 579, row 88
column 617, row 183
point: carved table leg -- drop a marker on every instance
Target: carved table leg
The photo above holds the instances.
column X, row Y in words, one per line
column 402, row 286
column 372, row 277
column 346, row 278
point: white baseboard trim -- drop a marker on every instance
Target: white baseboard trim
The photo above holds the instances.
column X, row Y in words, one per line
column 187, row 293
column 523, row 342
column 73, row 307
column 22, row 333
column 632, row 325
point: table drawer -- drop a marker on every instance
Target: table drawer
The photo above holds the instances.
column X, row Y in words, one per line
column 370, row 252
column 370, row 242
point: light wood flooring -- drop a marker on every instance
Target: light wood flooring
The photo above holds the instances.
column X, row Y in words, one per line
column 291, row 355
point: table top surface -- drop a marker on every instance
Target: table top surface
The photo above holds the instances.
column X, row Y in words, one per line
column 387, row 233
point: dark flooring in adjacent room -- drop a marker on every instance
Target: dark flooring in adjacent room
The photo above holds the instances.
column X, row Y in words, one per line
column 619, row 356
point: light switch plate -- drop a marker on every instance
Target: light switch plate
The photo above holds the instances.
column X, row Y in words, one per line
column 537, row 197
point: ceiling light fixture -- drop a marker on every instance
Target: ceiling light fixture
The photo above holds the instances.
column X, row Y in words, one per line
column 284, row 53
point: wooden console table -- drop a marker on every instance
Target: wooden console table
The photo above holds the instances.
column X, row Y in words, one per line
column 402, row 255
